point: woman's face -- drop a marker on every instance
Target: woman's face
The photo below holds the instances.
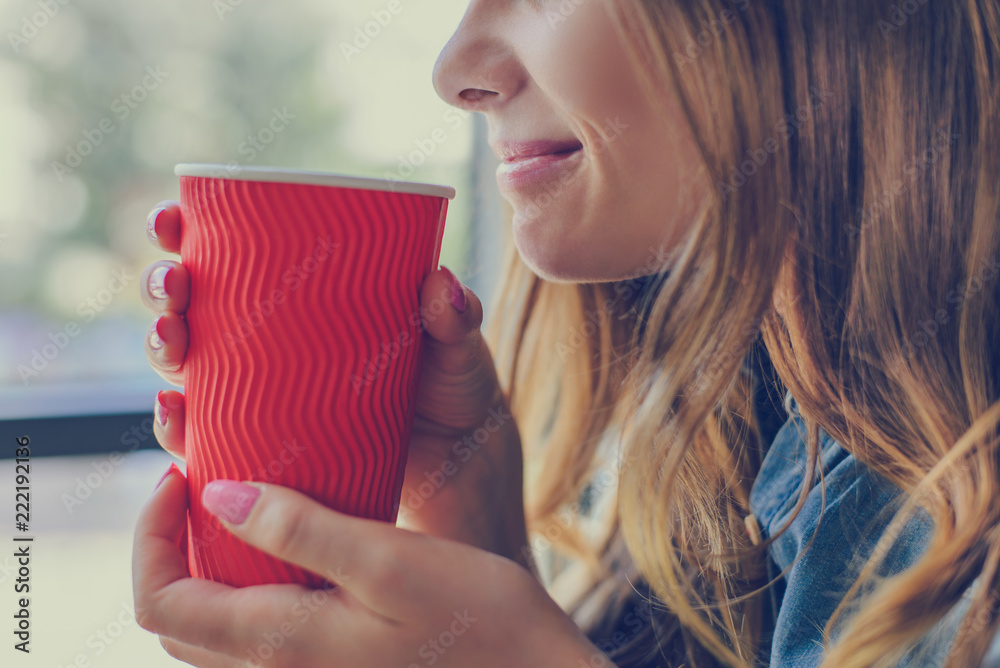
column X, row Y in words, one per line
column 602, row 181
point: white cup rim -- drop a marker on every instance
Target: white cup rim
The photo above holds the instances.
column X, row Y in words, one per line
column 306, row 177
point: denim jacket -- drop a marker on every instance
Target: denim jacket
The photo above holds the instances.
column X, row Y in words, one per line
column 858, row 506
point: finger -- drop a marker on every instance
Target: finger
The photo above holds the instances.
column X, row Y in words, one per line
column 455, row 344
column 158, row 533
column 195, row 611
column 198, row 656
column 361, row 556
column 166, row 346
column 449, row 310
column 163, row 226
column 169, row 424
column 165, row 286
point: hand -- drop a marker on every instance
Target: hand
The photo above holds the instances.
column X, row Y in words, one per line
column 463, row 476
column 402, row 599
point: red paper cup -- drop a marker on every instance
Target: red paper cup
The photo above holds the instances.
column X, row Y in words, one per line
column 305, row 343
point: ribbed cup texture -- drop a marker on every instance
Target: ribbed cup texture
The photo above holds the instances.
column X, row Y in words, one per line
column 305, row 350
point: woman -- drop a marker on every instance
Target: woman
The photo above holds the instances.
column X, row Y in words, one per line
column 700, row 190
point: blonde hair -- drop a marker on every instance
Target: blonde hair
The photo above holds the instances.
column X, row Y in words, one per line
column 855, row 148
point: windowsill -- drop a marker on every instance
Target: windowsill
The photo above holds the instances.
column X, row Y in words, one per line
column 80, row 398
column 81, row 418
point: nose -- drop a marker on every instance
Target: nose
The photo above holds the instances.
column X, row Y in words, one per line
column 477, row 69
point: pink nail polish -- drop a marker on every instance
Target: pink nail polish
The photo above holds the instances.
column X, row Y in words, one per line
column 173, row 467
column 162, row 412
column 229, row 499
column 158, row 282
column 155, row 342
column 457, row 292
column 151, row 222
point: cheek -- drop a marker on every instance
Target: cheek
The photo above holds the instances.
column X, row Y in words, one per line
column 641, row 188
column 617, row 222
column 579, row 61
column 663, row 179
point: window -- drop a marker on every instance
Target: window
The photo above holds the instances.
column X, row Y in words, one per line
column 101, row 99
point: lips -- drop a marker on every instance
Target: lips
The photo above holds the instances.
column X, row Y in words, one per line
column 511, row 152
column 532, row 167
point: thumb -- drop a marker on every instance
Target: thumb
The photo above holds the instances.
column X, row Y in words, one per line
column 351, row 552
column 449, row 310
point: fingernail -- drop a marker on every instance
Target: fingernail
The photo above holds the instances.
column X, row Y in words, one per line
column 158, row 282
column 229, row 499
column 173, row 467
column 162, row 412
column 457, row 292
column 151, row 222
column 155, row 342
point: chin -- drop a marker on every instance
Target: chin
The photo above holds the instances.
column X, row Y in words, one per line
column 566, row 246
column 556, row 260
column 541, row 243
column 548, row 267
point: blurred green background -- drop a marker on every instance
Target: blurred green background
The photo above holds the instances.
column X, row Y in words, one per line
column 99, row 99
